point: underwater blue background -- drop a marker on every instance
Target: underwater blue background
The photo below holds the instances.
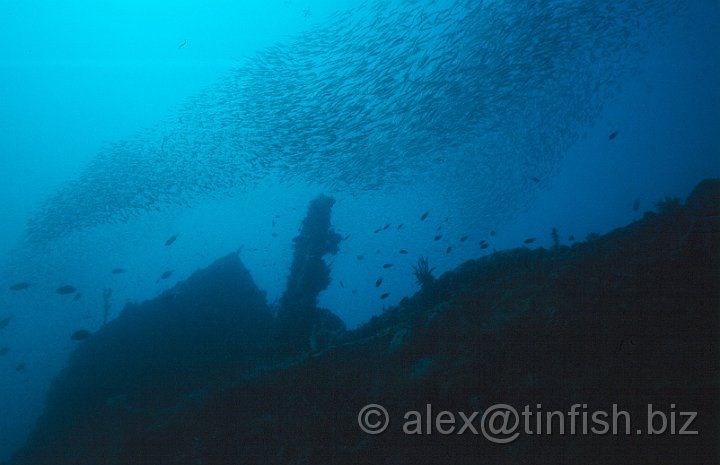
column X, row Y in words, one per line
column 94, row 102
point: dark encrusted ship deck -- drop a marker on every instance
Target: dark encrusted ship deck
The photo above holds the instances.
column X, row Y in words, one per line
column 200, row 376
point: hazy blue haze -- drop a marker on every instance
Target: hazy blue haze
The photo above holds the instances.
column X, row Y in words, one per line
column 77, row 77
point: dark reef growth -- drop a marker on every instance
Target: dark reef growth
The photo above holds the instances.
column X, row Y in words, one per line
column 555, row 238
column 423, row 273
column 107, row 304
column 628, row 319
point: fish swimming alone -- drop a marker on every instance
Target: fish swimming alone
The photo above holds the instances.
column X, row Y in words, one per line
column 378, row 282
column 388, row 265
column 4, row 322
column 65, row 290
column 20, row 286
column 166, row 274
column 80, row 335
column 424, row 215
column 385, row 295
column 170, row 240
column 118, row 270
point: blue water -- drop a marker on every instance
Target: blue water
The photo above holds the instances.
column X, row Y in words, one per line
column 123, row 124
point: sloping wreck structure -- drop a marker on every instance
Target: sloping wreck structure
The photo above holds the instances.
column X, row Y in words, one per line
column 145, row 369
column 629, row 319
column 151, row 364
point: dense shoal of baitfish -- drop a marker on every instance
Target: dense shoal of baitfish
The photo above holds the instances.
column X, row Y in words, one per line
column 387, row 94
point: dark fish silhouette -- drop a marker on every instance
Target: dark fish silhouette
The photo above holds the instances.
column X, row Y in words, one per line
column 4, row 322
column 377, row 230
column 342, row 285
column 483, row 242
column 492, row 233
column 403, row 251
column 384, row 295
column 166, row 274
column 65, row 290
column 529, row 240
column 636, row 205
column 19, row 286
column 535, row 179
column 439, row 228
column 378, row 282
column 77, row 297
column 571, row 237
column 118, row 271
column 183, row 44
column 463, row 239
column 170, row 240
column 484, row 246
column 346, row 237
column 80, row 335
column 424, row 215
column 613, row 135
column 448, row 250
column 360, row 257
column 386, row 226
column 400, row 225
column 388, row 265
column 20, row 367
column 438, row 237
